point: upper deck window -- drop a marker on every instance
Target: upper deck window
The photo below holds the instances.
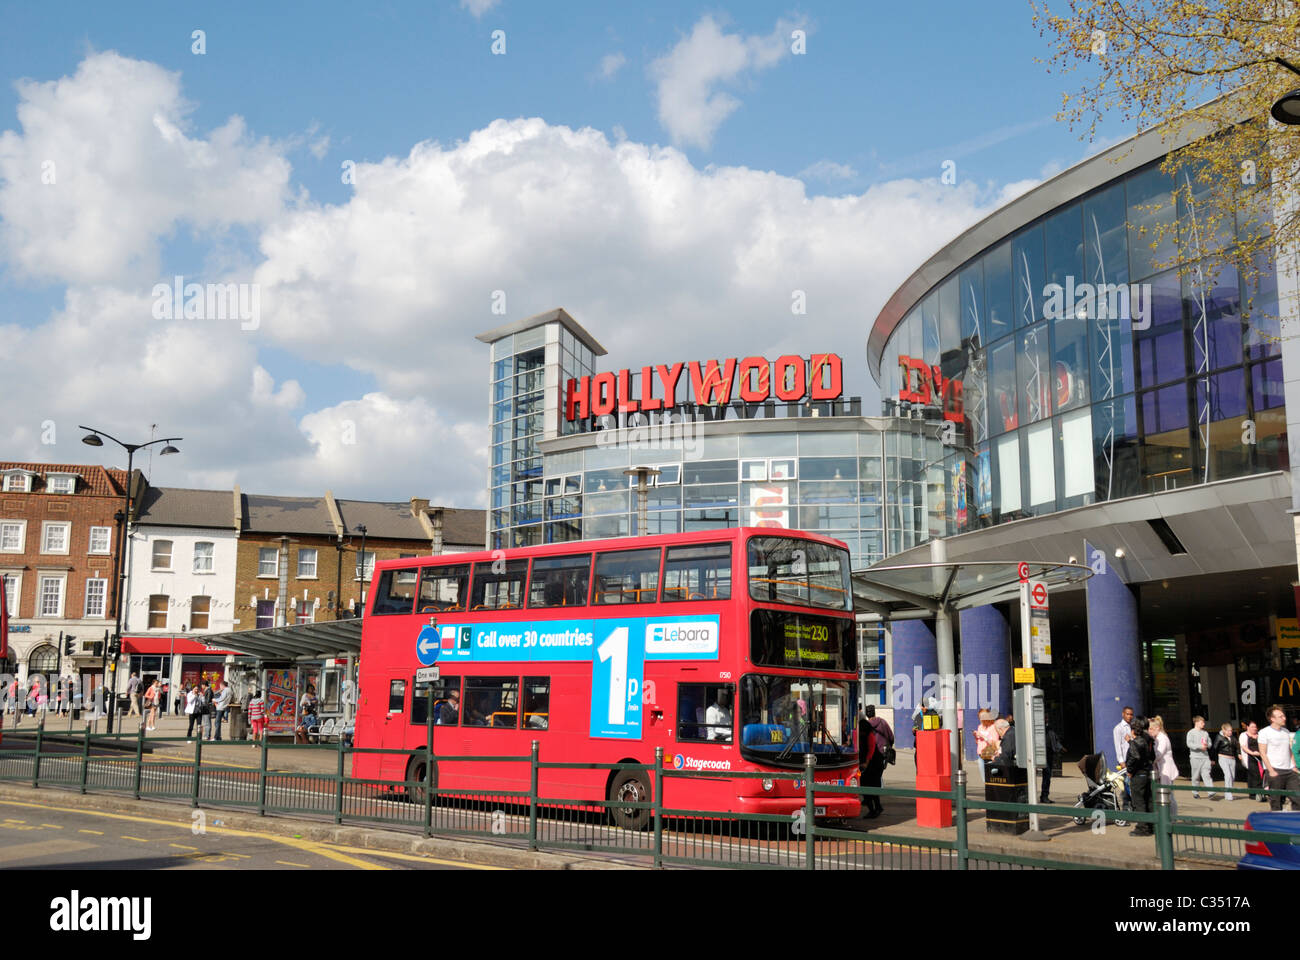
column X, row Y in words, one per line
column 698, row 572
column 498, row 585
column 803, row 572
column 560, row 581
column 444, row 588
column 392, row 595
column 628, row 576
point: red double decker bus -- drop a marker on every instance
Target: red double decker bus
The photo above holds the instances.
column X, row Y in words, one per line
column 734, row 650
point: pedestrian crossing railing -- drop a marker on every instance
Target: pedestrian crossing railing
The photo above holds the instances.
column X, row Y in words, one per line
column 633, row 823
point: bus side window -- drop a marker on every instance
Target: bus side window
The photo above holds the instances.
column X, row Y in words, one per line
column 444, row 710
column 396, row 696
column 537, row 703
column 444, row 587
column 491, row 702
column 704, row 712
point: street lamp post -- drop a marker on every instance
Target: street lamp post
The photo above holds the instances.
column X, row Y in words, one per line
column 1287, row 107
column 96, row 438
column 642, row 476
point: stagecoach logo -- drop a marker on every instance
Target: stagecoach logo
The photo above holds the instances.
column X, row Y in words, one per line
column 683, row 762
column 682, row 637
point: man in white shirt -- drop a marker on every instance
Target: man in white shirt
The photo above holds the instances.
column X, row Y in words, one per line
column 1122, row 734
column 1275, row 748
column 718, row 718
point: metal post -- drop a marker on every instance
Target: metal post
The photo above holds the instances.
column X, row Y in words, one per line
column 1164, row 834
column 428, row 768
column 261, row 778
column 36, row 758
column 959, row 812
column 659, row 807
column 198, row 767
column 810, row 809
column 85, row 759
column 139, row 759
column 947, row 660
column 338, row 809
column 533, row 779
column 1027, row 661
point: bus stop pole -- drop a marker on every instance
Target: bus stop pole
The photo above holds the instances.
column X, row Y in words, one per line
column 947, row 659
column 1027, row 660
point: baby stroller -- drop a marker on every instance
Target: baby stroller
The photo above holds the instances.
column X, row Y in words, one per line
column 1105, row 788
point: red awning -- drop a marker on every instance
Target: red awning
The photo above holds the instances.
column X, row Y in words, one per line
column 165, row 645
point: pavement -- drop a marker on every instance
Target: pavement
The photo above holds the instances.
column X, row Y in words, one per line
column 1059, row 838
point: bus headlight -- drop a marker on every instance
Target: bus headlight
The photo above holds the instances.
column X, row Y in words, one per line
column 767, row 784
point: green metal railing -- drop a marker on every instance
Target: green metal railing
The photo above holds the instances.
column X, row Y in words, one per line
column 636, row 823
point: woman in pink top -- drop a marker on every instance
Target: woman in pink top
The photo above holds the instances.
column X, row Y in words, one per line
column 1166, row 768
column 987, row 742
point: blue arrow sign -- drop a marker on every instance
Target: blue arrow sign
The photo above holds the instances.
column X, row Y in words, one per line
column 427, row 644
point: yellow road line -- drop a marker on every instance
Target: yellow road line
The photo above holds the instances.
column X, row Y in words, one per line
column 181, row 846
column 98, row 833
column 307, row 846
column 290, row 863
column 51, row 826
column 136, row 839
column 415, row 857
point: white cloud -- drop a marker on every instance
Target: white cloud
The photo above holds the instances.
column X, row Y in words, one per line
column 691, row 108
column 478, row 7
column 126, row 172
column 611, row 63
column 826, row 171
column 660, row 259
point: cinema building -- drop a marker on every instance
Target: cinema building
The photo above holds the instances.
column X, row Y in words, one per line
column 1127, row 417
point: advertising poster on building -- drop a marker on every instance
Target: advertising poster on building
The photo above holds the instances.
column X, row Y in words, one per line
column 281, row 700
column 769, row 505
column 959, row 493
column 984, row 487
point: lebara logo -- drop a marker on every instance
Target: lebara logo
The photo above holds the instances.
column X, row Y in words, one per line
column 682, row 637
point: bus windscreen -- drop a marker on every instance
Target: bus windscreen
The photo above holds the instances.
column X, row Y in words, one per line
column 780, row 638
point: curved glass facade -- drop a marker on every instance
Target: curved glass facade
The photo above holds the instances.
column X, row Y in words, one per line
column 1073, row 371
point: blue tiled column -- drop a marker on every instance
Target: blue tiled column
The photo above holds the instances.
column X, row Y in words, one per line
column 985, row 666
column 1114, row 651
column 915, row 656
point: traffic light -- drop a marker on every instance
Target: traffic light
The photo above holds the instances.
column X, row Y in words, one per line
column 99, row 648
column 67, row 646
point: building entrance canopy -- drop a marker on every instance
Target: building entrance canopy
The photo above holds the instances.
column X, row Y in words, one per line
column 303, row 641
column 925, row 590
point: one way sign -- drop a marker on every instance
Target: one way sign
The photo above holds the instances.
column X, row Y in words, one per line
column 427, row 644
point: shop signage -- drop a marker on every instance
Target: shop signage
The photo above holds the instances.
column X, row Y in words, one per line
column 20, row 628
column 924, row 384
column 750, row 380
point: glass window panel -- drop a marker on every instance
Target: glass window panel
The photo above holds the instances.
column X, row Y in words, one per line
column 970, row 290
column 1151, row 241
column 601, row 503
column 604, row 457
column 828, row 468
column 1041, row 464
column 1221, row 411
column 1161, row 353
column 769, row 444
column 1105, row 237
column 1077, row 478
column 1266, row 385
column 1166, row 447
column 1204, row 228
column 869, row 468
column 828, row 445
column 1007, row 470
column 394, row 593
column 491, row 701
column 713, row 448
column 560, row 581
column 1033, row 365
column 711, row 471
column 1063, row 246
column 1112, row 355
column 493, row 590
column 828, row 491
column 930, row 329
column 708, row 519
column 698, row 573
column 1215, row 321
column 869, row 444
column 1263, row 318
column 1070, row 372
column 710, row 495
column 628, row 576
column 1271, row 440
column 1027, row 271
column 828, row 518
column 1003, row 412
column 914, row 335
column 997, row 291
column 443, row 588
column 950, row 352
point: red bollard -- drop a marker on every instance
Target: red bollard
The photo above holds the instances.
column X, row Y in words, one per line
column 933, row 772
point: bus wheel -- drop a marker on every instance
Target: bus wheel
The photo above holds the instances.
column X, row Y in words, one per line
column 417, row 769
column 630, row 786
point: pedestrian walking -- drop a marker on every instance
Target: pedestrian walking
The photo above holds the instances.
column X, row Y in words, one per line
column 1121, row 735
column 1198, row 749
column 1225, row 749
column 133, row 692
column 151, row 698
column 192, row 711
column 1139, row 763
column 1249, row 741
column 1166, row 766
column 1006, row 743
column 205, row 708
column 220, row 705
column 1279, row 761
column 257, row 715
column 882, row 756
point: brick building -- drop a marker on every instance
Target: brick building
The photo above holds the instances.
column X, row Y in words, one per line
column 59, row 540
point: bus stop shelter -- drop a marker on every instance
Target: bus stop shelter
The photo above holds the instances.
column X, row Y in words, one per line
column 281, row 654
column 939, row 590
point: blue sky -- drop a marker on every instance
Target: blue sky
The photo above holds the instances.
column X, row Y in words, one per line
column 882, row 97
